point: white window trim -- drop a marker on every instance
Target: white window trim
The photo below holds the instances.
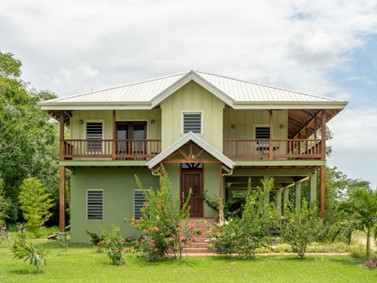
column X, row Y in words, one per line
column 103, row 204
column 192, row 112
column 147, row 191
column 259, row 126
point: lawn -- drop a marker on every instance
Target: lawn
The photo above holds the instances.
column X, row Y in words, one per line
column 81, row 263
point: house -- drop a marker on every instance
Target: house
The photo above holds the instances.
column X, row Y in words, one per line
column 210, row 132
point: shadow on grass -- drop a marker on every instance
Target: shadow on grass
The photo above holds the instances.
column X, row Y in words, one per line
column 25, row 272
column 350, row 261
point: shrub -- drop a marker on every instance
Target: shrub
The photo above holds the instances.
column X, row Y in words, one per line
column 113, row 243
column 300, row 227
column 164, row 231
column 96, row 240
column 29, row 252
column 243, row 236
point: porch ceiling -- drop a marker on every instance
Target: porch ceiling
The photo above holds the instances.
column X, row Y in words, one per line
column 299, row 119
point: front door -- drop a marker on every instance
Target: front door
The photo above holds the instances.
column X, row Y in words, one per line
column 193, row 179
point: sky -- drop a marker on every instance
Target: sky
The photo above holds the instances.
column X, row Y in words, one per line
column 319, row 47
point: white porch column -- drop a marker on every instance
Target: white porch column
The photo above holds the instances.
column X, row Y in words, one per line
column 278, row 203
column 313, row 189
column 298, row 195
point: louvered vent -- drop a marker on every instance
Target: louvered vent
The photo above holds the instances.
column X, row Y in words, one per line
column 262, row 133
column 138, row 203
column 95, row 204
column 192, row 122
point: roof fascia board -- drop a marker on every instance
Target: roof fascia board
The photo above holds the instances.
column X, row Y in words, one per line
column 289, row 105
column 191, row 76
column 96, row 107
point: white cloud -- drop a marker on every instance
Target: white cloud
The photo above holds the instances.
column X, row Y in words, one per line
column 355, row 129
column 295, row 44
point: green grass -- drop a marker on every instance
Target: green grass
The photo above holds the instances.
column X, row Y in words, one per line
column 81, row 263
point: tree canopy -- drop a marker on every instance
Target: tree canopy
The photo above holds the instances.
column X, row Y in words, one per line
column 28, row 137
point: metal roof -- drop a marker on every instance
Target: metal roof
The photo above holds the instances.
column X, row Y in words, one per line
column 190, row 136
column 236, row 93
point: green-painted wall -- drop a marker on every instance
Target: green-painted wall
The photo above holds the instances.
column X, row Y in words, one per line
column 210, row 178
column 106, row 116
column 246, row 120
column 192, row 97
column 118, row 185
column 211, row 185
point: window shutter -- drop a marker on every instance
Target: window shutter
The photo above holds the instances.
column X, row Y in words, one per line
column 138, row 203
column 262, row 133
column 94, row 132
column 95, row 204
column 192, row 122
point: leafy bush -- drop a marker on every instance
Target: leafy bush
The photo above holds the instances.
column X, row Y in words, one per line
column 300, row 227
column 164, row 231
column 113, row 243
column 29, row 252
column 243, row 236
column 96, row 240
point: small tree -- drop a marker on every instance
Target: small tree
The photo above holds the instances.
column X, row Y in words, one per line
column 29, row 252
column 300, row 227
column 35, row 204
column 361, row 208
column 164, row 231
column 245, row 235
column 3, row 204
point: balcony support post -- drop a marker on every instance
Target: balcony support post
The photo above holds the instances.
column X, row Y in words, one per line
column 61, row 135
column 271, row 131
column 322, row 194
column 113, row 146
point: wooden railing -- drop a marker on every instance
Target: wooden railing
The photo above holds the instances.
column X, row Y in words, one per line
column 272, row 150
column 113, row 149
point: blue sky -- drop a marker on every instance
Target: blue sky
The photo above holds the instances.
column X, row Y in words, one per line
column 320, row 47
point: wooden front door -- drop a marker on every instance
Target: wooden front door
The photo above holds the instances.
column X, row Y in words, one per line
column 193, row 179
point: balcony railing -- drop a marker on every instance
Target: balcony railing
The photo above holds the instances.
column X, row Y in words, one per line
column 111, row 149
column 233, row 148
column 272, row 150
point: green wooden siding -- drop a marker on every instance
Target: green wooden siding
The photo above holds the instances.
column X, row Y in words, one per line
column 244, row 122
column 192, row 97
column 118, row 185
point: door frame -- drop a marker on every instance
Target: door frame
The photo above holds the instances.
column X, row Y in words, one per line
column 181, row 190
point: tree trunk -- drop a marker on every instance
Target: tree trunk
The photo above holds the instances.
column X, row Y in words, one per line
column 368, row 244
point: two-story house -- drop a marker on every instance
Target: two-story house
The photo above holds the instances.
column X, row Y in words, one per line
column 210, row 132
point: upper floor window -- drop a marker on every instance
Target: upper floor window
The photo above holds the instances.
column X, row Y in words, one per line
column 192, row 122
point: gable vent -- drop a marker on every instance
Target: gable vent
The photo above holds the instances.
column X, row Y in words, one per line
column 192, row 122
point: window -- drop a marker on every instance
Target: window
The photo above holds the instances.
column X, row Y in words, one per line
column 138, row 203
column 94, row 204
column 192, row 122
column 94, row 131
column 262, row 133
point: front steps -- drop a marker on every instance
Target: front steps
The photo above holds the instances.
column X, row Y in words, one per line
column 200, row 246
